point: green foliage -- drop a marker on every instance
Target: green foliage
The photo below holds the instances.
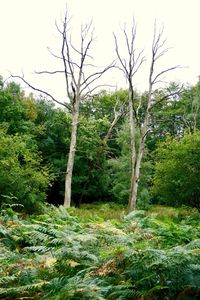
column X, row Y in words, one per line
column 101, row 107
column 17, row 112
column 59, row 256
column 23, row 179
column 36, row 140
column 89, row 180
column 174, row 115
column 49, row 128
column 53, row 138
column 177, row 177
column 119, row 170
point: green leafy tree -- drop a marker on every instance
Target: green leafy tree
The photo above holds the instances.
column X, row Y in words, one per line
column 177, row 176
column 191, row 107
column 89, row 169
column 90, row 178
column 176, row 114
column 23, row 179
column 53, row 138
column 17, row 112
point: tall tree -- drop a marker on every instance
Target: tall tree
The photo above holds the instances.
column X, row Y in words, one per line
column 80, row 80
column 129, row 65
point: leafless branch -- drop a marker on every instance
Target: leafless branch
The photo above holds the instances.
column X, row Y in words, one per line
column 67, row 61
column 154, row 80
column 130, row 44
column 138, row 62
column 40, row 91
column 158, row 51
column 91, row 90
column 63, row 58
column 168, row 96
column 122, row 62
column 53, row 54
column 133, row 62
column 49, row 72
column 118, row 113
column 93, row 77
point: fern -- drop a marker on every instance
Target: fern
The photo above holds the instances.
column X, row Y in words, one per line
column 57, row 256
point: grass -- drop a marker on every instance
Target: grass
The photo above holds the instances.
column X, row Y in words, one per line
column 173, row 213
column 99, row 212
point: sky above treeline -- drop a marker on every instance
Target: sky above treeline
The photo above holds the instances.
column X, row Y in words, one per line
column 27, row 28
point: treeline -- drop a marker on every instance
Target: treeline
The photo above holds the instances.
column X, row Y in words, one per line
column 35, row 139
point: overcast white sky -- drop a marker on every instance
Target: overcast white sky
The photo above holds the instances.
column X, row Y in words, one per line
column 27, row 28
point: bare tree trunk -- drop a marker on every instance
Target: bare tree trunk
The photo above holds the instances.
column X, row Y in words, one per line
column 72, row 150
column 132, row 150
column 137, row 166
column 140, row 154
column 135, row 178
column 134, row 187
column 110, row 130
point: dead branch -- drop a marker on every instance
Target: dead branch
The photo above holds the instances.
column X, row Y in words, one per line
column 49, row 72
column 118, row 113
column 53, row 54
column 91, row 90
column 122, row 61
column 41, row 91
column 168, row 96
column 154, row 80
column 90, row 79
column 158, row 50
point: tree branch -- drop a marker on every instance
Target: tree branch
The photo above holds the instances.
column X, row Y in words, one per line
column 40, row 91
column 168, row 96
column 93, row 77
column 154, row 80
column 49, row 72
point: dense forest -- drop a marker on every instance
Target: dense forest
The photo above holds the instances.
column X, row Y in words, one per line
column 35, row 137
column 100, row 195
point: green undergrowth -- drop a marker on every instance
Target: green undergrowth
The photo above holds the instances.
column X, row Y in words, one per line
column 99, row 212
column 100, row 252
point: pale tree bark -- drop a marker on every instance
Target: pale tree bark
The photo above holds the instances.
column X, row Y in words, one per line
column 80, row 81
column 130, row 66
column 120, row 109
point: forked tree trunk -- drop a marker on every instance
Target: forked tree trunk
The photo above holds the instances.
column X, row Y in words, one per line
column 138, row 157
column 129, row 66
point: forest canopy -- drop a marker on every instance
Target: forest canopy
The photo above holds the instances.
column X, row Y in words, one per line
column 35, row 137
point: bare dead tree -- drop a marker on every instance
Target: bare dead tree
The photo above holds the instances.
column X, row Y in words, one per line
column 79, row 82
column 129, row 66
